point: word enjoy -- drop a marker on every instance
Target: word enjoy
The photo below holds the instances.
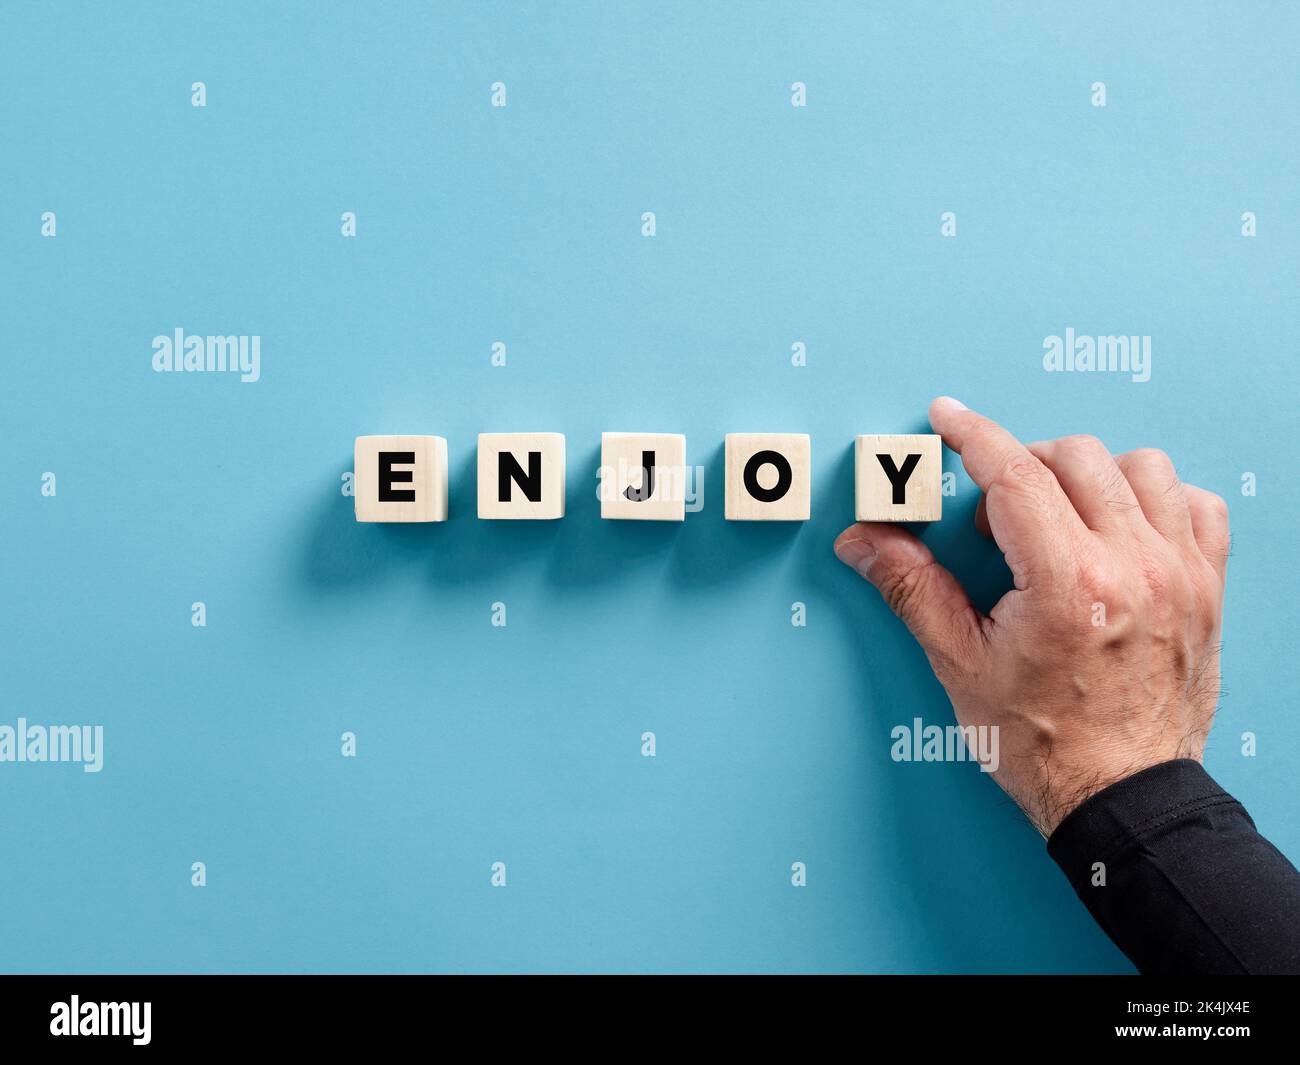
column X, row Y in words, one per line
column 643, row 477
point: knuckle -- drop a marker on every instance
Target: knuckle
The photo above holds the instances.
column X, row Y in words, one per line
column 1094, row 581
column 1084, row 444
column 906, row 588
column 1166, row 583
column 1152, row 458
column 1025, row 470
column 1217, row 547
column 1115, row 488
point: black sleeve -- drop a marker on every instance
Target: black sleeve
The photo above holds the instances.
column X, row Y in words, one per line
column 1185, row 884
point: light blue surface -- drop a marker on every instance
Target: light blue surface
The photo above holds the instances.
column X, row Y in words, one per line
column 477, row 224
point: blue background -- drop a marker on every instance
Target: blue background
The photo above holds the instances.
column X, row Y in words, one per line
column 522, row 224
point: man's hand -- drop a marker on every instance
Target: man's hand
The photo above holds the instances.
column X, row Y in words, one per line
column 1104, row 659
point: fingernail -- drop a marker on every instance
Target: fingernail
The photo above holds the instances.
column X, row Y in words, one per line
column 951, row 404
column 857, row 554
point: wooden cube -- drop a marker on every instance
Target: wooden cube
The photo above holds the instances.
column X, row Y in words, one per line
column 521, row 475
column 643, row 476
column 400, row 478
column 769, row 476
column 898, row 478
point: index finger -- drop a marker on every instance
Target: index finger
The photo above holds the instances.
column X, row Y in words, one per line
column 1027, row 510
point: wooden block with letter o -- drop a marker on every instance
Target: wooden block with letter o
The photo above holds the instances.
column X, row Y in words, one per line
column 521, row 475
column 899, row 478
column 400, row 478
column 643, row 476
column 769, row 476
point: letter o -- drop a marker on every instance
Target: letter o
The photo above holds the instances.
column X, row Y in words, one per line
column 784, row 476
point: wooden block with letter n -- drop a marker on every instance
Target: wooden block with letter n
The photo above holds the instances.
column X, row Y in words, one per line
column 643, row 476
column 899, row 478
column 769, row 476
column 400, row 478
column 521, row 475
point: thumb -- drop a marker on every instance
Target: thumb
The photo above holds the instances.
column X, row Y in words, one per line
column 921, row 592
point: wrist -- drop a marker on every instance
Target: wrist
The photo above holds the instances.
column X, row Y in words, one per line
column 1061, row 794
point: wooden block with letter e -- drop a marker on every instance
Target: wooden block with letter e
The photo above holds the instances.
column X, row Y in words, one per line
column 643, row 476
column 400, row 478
column 899, row 478
column 521, row 475
column 769, row 476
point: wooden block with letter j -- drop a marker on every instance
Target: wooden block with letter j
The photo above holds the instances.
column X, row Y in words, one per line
column 643, row 476
column 899, row 478
column 769, row 476
column 521, row 475
column 400, row 478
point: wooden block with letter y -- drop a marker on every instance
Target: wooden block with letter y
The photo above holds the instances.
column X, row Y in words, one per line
column 400, row 478
column 899, row 478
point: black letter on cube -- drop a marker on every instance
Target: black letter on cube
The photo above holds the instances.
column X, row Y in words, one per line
column 898, row 478
column 508, row 469
column 389, row 476
column 784, row 476
column 647, row 489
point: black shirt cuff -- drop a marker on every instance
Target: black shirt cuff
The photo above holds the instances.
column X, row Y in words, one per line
column 1172, row 868
column 1122, row 815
